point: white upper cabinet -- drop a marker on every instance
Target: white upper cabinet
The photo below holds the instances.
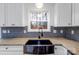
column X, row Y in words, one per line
column 31, row 6
column 2, row 15
column 62, row 14
column 75, row 14
column 11, row 14
column 14, row 14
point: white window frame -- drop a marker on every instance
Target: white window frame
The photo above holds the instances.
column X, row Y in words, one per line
column 36, row 30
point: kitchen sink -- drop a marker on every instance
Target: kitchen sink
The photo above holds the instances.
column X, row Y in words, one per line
column 38, row 42
column 39, row 47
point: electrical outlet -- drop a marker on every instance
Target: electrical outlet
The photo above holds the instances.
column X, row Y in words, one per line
column 24, row 31
column 4, row 31
column 8, row 31
column 54, row 31
column 61, row 31
column 72, row 31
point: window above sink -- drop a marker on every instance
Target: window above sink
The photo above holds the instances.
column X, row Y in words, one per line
column 38, row 19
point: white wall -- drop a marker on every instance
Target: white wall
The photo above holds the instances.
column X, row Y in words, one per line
column 49, row 6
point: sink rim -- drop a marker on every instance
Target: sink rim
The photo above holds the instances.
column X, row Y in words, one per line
column 35, row 42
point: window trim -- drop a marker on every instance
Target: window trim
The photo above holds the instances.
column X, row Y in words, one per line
column 37, row 30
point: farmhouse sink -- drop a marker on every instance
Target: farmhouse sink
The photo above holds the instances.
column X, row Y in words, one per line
column 38, row 42
column 39, row 47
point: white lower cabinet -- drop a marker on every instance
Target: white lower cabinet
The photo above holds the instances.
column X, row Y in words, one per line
column 60, row 50
column 11, row 50
column 11, row 53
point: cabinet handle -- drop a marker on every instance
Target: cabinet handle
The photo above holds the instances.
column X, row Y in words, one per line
column 55, row 48
column 13, row 24
column 69, row 24
column 3, row 24
column 6, row 48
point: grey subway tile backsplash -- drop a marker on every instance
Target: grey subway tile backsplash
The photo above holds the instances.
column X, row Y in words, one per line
column 19, row 32
column 68, row 33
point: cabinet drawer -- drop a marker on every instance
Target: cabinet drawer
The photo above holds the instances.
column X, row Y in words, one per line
column 11, row 48
column 60, row 50
column 11, row 53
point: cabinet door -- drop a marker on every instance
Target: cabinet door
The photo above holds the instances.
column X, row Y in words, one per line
column 2, row 15
column 14, row 14
column 60, row 50
column 75, row 14
column 12, row 53
column 11, row 50
column 63, row 14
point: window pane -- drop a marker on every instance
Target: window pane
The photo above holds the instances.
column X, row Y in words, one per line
column 38, row 25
